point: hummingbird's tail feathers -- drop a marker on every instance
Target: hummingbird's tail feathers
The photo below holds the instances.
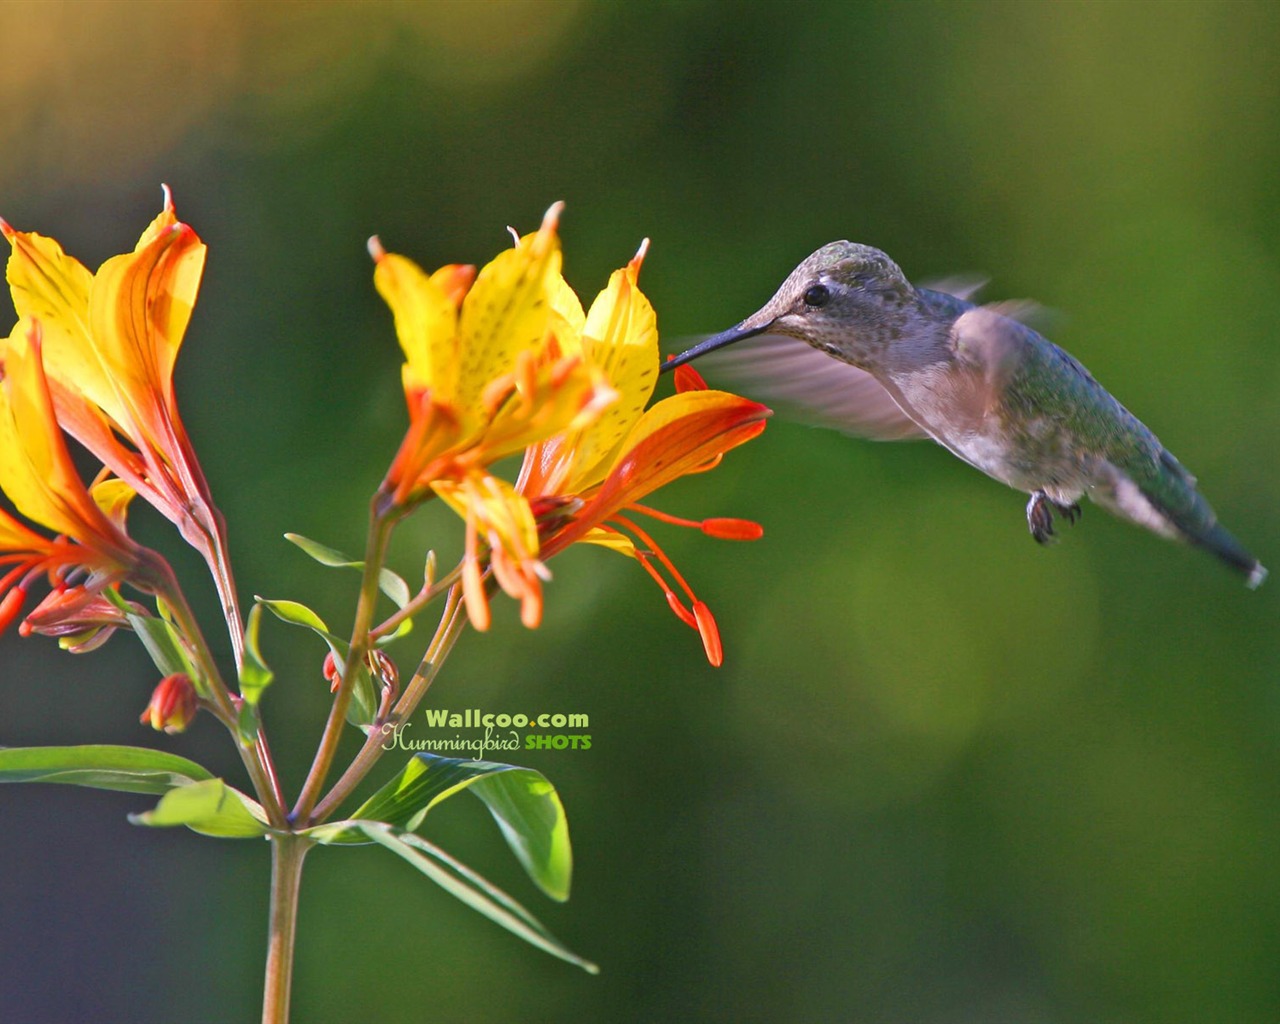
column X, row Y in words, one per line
column 806, row 385
column 1218, row 541
column 1171, row 506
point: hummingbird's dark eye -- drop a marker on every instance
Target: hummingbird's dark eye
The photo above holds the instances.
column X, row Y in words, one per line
column 817, row 295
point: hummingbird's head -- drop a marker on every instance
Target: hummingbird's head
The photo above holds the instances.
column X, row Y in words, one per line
column 847, row 299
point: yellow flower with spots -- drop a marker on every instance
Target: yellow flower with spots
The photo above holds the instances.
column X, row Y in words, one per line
column 485, row 372
column 603, row 453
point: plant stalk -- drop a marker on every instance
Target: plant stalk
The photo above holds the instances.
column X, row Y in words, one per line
column 287, row 855
column 452, row 621
column 380, row 526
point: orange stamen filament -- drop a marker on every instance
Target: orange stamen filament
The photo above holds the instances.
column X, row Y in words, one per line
column 720, row 528
column 658, row 553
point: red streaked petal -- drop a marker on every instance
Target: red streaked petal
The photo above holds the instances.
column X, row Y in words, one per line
column 689, row 379
column 675, row 437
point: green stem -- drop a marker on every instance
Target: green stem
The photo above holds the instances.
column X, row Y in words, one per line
column 452, row 621
column 257, row 759
column 287, row 855
column 381, row 523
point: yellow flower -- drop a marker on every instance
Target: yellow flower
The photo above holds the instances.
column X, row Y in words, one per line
column 486, row 372
column 575, row 484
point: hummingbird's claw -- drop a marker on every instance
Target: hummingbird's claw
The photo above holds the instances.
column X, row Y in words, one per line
column 1040, row 517
column 1040, row 510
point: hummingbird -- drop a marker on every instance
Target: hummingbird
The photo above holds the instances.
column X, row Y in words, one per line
column 848, row 342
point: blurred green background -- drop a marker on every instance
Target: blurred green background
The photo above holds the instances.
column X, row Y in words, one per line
column 944, row 775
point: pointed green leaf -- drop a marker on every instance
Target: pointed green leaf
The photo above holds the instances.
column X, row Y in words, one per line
column 522, row 801
column 389, row 583
column 100, row 766
column 255, row 676
column 211, row 808
column 162, row 640
column 297, row 614
column 364, row 704
column 471, row 888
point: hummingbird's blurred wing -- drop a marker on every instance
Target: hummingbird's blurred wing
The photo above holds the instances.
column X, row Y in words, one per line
column 960, row 286
column 803, row 384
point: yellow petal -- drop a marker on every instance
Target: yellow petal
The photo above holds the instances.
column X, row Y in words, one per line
column 113, row 496
column 620, row 339
column 609, row 539
column 567, row 318
column 502, row 517
column 14, row 536
column 52, row 287
column 508, row 311
column 426, row 324
column 36, row 471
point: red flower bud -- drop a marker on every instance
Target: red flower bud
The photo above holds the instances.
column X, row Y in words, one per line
column 173, row 704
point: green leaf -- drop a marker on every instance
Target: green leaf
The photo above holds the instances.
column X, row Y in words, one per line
column 389, row 583
column 364, row 704
column 522, row 801
column 255, row 676
column 163, row 642
column 475, row 891
column 211, row 808
column 125, row 769
column 297, row 614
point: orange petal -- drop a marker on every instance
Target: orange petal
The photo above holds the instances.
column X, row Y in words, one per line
column 675, row 437
column 139, row 308
column 36, row 470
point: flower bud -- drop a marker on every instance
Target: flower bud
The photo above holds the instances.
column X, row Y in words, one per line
column 173, row 704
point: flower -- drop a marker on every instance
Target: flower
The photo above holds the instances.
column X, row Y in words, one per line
column 575, row 484
column 173, row 705
column 38, row 477
column 111, row 339
column 686, row 433
column 485, row 371
column 78, row 617
column 110, row 343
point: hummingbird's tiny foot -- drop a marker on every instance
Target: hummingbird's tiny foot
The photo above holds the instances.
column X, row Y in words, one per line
column 1040, row 517
column 1069, row 512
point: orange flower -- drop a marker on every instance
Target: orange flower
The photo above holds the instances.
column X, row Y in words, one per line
column 37, row 475
column 111, row 339
column 110, row 343
column 687, row 433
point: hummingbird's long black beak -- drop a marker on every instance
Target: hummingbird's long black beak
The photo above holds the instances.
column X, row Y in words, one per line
column 712, row 343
